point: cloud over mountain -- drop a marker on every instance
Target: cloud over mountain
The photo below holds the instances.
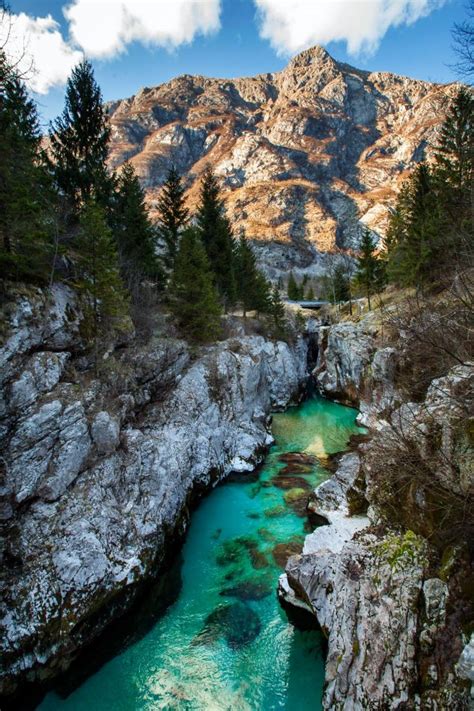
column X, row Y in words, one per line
column 294, row 25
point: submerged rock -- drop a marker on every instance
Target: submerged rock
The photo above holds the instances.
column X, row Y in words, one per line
column 292, row 469
column 249, row 589
column 290, row 482
column 283, row 551
column 237, row 623
column 297, row 499
column 298, row 458
column 259, row 560
column 275, row 511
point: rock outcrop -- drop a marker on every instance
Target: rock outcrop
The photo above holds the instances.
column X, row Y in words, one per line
column 305, row 156
column 99, row 469
column 372, row 577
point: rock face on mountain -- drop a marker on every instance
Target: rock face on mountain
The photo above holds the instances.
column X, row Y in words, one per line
column 305, row 155
column 99, row 469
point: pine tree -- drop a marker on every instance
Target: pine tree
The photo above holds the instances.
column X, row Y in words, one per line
column 26, row 196
column 277, row 309
column 173, row 215
column 414, row 244
column 341, row 287
column 79, row 141
column 310, row 294
column 193, row 298
column 136, row 237
column 263, row 295
column 292, row 289
column 99, row 274
column 453, row 176
column 455, row 151
column 252, row 289
column 368, row 270
column 216, row 235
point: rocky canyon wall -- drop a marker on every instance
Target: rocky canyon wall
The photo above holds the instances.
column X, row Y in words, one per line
column 99, row 468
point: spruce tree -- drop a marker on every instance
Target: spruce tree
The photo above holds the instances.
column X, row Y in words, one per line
column 341, row 286
column 263, row 295
column 277, row 309
column 99, row 273
column 252, row 290
column 453, row 176
column 194, row 300
column 310, row 294
column 136, row 236
column 216, row 235
column 368, row 272
column 173, row 215
column 292, row 288
column 414, row 241
column 79, row 141
column 26, row 196
column 455, row 151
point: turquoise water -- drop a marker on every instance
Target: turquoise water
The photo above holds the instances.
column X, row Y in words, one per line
column 225, row 644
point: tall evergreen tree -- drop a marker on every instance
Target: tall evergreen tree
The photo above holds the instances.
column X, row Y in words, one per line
column 292, row 288
column 341, row 286
column 252, row 289
column 193, row 298
column 454, row 171
column 99, row 274
column 368, row 274
column 414, row 242
column 216, row 236
column 79, row 141
column 277, row 309
column 26, row 196
column 136, row 236
column 173, row 215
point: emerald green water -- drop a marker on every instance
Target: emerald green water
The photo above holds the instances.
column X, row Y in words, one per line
column 225, row 644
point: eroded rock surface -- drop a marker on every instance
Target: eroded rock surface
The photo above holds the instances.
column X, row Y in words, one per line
column 99, row 470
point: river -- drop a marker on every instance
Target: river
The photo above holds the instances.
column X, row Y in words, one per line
column 225, row 644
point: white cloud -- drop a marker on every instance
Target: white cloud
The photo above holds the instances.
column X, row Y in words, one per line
column 35, row 45
column 103, row 28
column 100, row 29
column 294, row 25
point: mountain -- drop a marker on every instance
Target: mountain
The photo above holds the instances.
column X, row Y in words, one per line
column 306, row 155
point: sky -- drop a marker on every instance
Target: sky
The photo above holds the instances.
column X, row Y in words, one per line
column 137, row 43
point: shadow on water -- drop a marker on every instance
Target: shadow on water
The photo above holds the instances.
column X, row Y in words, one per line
column 147, row 609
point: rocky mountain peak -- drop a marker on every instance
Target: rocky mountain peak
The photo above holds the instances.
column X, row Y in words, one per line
column 305, row 156
column 316, row 56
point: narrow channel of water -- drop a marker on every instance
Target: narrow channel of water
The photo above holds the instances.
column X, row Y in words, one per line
column 225, row 644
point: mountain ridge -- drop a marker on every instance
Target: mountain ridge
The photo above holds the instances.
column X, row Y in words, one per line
column 306, row 156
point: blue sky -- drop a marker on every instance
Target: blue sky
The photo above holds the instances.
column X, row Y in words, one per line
column 421, row 49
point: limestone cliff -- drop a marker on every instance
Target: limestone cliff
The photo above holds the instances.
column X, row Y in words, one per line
column 99, row 468
column 304, row 155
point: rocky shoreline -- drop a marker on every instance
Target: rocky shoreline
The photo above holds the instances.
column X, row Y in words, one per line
column 100, row 470
column 378, row 590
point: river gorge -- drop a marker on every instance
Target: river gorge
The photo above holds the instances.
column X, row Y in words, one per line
column 225, row 642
